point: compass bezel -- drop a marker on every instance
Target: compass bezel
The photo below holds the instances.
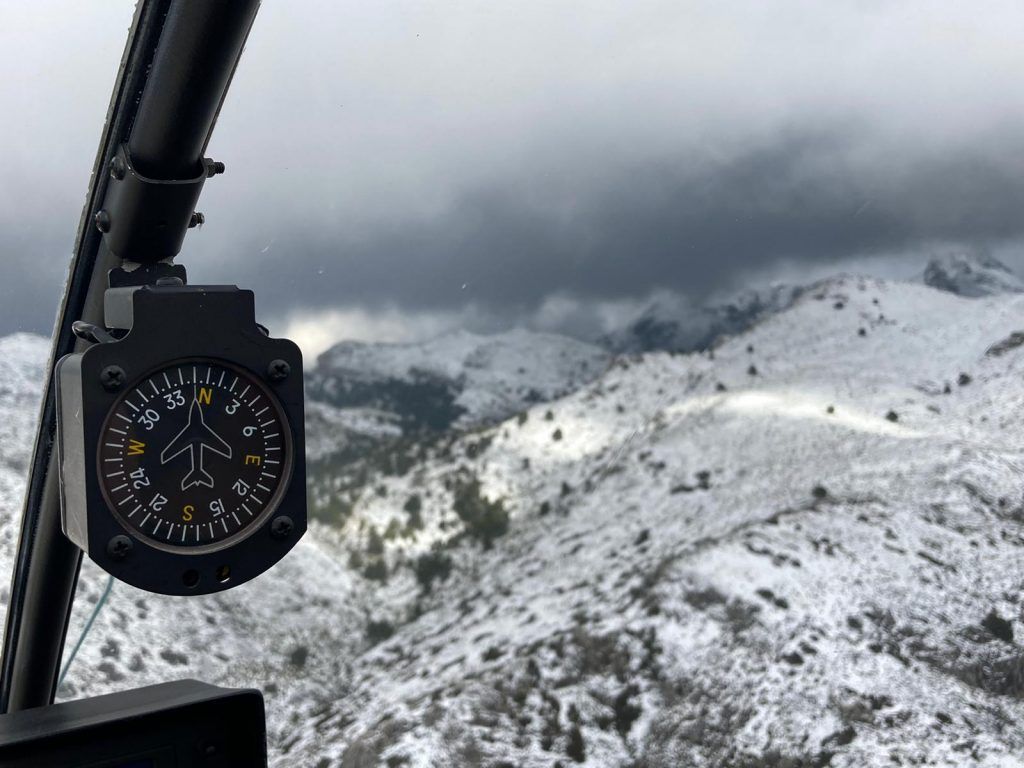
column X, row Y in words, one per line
column 272, row 503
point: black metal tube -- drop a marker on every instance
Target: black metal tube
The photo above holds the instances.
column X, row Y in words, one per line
column 46, row 565
column 45, row 568
column 198, row 51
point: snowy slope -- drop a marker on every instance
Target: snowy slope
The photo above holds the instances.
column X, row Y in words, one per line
column 804, row 550
column 819, row 565
column 459, row 379
column 25, row 357
column 330, row 430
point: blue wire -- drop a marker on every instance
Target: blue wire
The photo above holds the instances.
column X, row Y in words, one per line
column 86, row 628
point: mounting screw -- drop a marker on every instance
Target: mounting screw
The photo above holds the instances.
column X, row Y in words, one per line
column 208, row 748
column 102, row 219
column 281, row 527
column 278, row 370
column 197, row 220
column 214, row 167
column 119, row 547
column 117, row 168
column 112, row 378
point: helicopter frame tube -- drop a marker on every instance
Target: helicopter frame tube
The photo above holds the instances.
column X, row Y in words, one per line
column 175, row 71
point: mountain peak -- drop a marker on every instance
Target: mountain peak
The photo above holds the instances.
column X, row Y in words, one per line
column 675, row 324
column 972, row 275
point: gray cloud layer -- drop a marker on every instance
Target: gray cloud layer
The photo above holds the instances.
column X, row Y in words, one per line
column 662, row 224
column 432, row 156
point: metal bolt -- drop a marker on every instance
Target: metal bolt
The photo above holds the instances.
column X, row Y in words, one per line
column 208, row 748
column 215, row 167
column 197, row 220
column 278, row 370
column 117, row 168
column 119, row 547
column 102, row 219
column 281, row 527
column 112, row 378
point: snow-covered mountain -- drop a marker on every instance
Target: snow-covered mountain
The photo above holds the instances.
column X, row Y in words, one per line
column 971, row 275
column 674, row 324
column 803, row 551
column 457, row 380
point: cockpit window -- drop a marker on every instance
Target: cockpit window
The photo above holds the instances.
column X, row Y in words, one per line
column 662, row 377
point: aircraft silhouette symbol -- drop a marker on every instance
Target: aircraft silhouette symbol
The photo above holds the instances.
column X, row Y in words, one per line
column 195, row 439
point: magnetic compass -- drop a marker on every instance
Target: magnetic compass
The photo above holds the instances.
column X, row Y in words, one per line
column 181, row 442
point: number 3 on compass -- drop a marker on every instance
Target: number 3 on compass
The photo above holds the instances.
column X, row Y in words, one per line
column 194, row 454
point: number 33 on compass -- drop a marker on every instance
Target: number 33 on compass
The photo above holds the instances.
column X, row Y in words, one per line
column 193, row 475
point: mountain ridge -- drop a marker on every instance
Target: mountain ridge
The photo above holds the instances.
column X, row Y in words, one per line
column 801, row 550
column 456, row 380
column 665, row 559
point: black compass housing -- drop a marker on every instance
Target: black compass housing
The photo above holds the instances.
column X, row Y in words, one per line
column 206, row 337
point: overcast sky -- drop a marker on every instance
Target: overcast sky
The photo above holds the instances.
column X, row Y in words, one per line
column 396, row 169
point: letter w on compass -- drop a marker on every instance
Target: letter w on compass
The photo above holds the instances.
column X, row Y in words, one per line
column 195, row 439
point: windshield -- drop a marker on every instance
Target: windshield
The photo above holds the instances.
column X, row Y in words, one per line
column 662, row 371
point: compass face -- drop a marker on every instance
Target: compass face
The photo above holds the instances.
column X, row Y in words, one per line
column 194, row 455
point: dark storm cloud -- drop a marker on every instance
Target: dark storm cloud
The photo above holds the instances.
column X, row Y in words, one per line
column 429, row 157
column 662, row 224
column 32, row 274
